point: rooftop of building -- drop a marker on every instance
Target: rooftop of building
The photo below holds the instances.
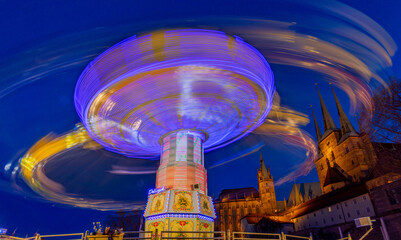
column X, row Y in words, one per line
column 255, row 218
column 301, row 192
column 237, row 194
column 334, row 197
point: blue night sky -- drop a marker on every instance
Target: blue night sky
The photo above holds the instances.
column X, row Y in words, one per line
column 62, row 37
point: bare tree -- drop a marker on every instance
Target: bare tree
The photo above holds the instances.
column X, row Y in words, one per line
column 128, row 220
column 385, row 126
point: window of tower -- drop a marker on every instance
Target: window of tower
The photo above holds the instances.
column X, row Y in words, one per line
column 332, row 155
column 346, row 150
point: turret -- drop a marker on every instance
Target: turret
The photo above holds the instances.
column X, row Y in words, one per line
column 327, row 119
column 346, row 127
column 267, row 194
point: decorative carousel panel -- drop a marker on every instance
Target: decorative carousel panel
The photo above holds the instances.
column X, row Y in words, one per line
column 206, row 205
column 206, row 226
column 158, row 225
column 157, row 203
column 183, row 202
column 182, row 225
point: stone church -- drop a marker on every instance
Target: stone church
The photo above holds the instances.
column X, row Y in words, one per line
column 357, row 178
column 234, row 204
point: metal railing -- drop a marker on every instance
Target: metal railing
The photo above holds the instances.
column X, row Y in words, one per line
column 294, row 237
column 171, row 235
column 80, row 235
column 252, row 235
column 187, row 235
column 10, row 237
column 137, row 235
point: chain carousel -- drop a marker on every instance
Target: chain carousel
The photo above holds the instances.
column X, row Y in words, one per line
column 177, row 94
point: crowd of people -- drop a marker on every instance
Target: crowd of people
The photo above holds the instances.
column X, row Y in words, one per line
column 110, row 232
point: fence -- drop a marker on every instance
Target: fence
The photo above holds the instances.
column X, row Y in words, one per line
column 168, row 235
column 266, row 236
column 138, row 235
column 80, row 236
column 186, row 235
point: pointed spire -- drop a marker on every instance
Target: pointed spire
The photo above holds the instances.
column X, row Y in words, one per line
column 327, row 119
column 361, row 129
column 317, row 129
column 297, row 198
column 346, row 126
column 265, row 173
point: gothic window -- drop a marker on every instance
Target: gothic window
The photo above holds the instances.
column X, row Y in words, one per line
column 348, row 215
column 367, row 209
column 357, row 212
column 332, row 155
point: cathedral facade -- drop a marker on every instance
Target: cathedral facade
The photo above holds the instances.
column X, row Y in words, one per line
column 357, row 178
column 234, row 204
column 345, row 156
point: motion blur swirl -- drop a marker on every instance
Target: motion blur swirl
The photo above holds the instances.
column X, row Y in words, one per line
column 339, row 43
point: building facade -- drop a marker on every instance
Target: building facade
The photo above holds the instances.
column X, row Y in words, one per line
column 234, row 204
column 345, row 156
column 357, row 178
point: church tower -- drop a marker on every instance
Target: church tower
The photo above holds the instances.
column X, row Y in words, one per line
column 267, row 194
column 345, row 155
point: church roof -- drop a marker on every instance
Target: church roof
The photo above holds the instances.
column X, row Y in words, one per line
column 328, row 122
column 255, row 218
column 265, row 171
column 302, row 192
column 334, row 175
column 237, row 193
column 334, row 197
column 346, row 127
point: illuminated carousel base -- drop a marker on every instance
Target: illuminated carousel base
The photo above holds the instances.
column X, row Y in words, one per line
column 179, row 211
